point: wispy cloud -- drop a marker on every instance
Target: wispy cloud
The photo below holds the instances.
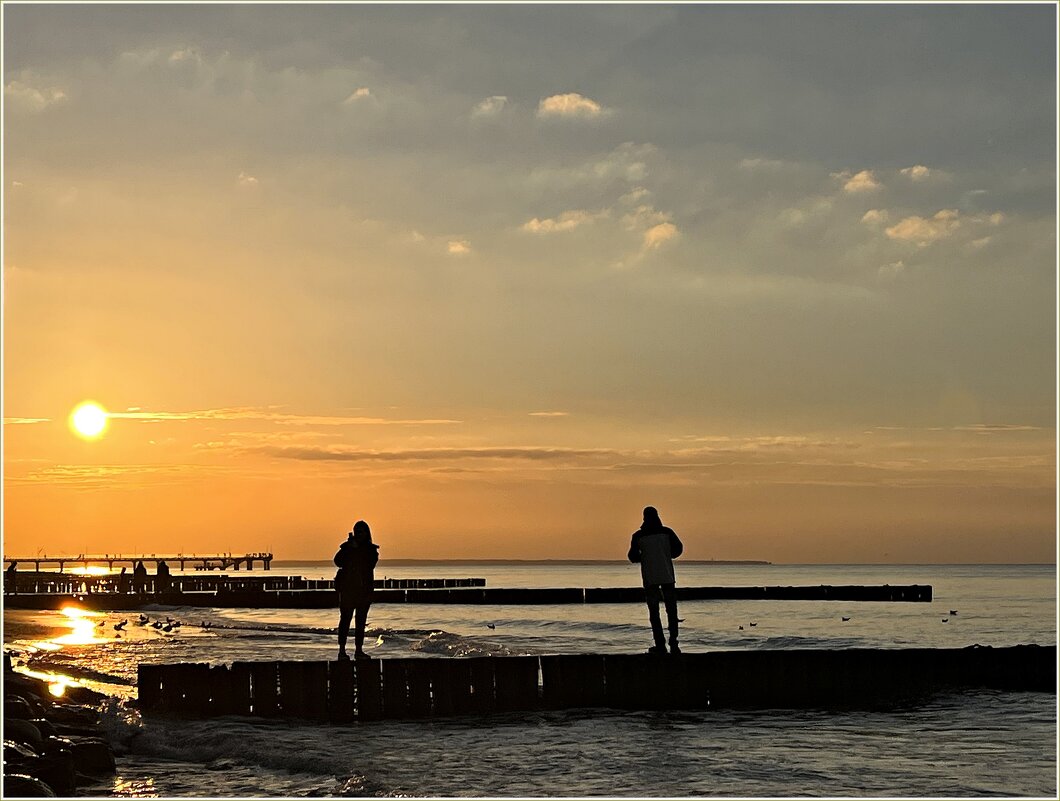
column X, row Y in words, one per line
column 490, row 107
column 338, row 454
column 658, row 234
column 458, row 247
column 923, row 231
column 246, row 180
column 23, row 421
column 919, row 172
column 549, row 414
column 864, row 181
column 567, row 221
column 267, row 414
column 357, row 94
column 23, row 95
column 570, row 104
column 97, row 476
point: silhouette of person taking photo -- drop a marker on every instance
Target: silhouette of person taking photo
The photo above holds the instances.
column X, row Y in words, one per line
column 654, row 547
column 356, row 560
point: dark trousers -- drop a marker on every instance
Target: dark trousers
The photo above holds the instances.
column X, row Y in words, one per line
column 346, row 614
column 653, row 594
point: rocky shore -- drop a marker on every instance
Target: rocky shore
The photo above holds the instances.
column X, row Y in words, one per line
column 52, row 745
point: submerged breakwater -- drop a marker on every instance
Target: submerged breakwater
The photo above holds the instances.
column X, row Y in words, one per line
column 345, row 691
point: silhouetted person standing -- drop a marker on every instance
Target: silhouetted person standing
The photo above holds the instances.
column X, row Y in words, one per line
column 655, row 547
column 162, row 579
column 140, row 578
column 122, row 583
column 355, row 581
column 11, row 574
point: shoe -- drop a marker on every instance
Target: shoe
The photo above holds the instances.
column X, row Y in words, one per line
column 657, row 649
column 361, row 655
column 674, row 649
column 343, row 656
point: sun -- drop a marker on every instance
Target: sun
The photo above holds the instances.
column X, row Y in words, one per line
column 88, row 420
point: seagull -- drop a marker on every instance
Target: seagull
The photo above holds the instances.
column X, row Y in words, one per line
column 102, row 623
column 945, row 620
column 167, row 628
column 753, row 624
column 491, row 625
column 680, row 620
column 953, row 613
column 144, row 620
column 741, row 628
column 156, row 625
column 846, row 619
column 176, row 624
column 120, row 626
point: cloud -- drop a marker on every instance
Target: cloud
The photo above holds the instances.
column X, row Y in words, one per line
column 982, row 242
column 22, row 95
column 267, row 414
column 24, row 421
column 864, row 181
column 761, row 164
column 490, row 107
column 657, row 234
column 338, row 454
column 634, row 195
column 923, row 231
column 567, row 221
column 890, row 272
column 996, row 428
column 549, row 414
column 918, row 172
column 357, row 94
column 571, row 104
column 875, row 216
column 458, row 247
column 185, row 54
column 243, row 179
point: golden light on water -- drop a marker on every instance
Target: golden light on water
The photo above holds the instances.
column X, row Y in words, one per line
column 90, row 570
column 88, row 420
column 82, row 626
column 57, row 688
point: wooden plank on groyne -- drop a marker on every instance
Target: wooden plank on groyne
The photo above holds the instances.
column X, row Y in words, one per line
column 343, row 692
column 326, row 598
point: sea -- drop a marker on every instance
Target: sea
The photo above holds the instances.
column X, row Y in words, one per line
column 968, row 744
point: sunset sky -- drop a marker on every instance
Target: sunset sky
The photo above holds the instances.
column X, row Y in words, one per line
column 493, row 278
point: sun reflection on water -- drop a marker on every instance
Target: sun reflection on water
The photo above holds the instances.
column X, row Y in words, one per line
column 82, row 627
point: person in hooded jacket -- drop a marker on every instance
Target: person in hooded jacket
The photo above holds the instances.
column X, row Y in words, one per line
column 356, row 560
column 654, row 547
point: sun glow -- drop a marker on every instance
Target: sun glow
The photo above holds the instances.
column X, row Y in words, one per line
column 82, row 627
column 88, row 420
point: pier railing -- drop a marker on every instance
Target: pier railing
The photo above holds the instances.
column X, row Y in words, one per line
column 438, row 686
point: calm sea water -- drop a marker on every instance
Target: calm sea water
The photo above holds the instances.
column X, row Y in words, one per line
column 974, row 744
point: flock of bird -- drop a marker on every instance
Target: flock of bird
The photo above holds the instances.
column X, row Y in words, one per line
column 168, row 626
column 845, row 619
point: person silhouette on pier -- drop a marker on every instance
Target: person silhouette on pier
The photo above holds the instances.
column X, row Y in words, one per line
column 140, row 578
column 654, row 547
column 122, row 583
column 163, row 580
column 11, row 576
column 355, row 580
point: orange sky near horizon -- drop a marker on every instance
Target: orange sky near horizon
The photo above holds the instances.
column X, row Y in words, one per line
column 327, row 263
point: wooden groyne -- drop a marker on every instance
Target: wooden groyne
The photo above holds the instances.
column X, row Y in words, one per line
column 49, row 582
column 343, row 692
column 319, row 594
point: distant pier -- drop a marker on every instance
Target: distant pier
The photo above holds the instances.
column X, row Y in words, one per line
column 344, row 692
column 224, row 561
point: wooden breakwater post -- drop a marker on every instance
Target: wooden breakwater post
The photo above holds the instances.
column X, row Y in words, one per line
column 343, row 692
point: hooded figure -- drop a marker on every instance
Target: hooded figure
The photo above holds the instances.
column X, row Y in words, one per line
column 655, row 547
column 355, row 581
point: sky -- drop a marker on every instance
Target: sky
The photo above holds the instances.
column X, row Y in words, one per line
column 494, row 278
